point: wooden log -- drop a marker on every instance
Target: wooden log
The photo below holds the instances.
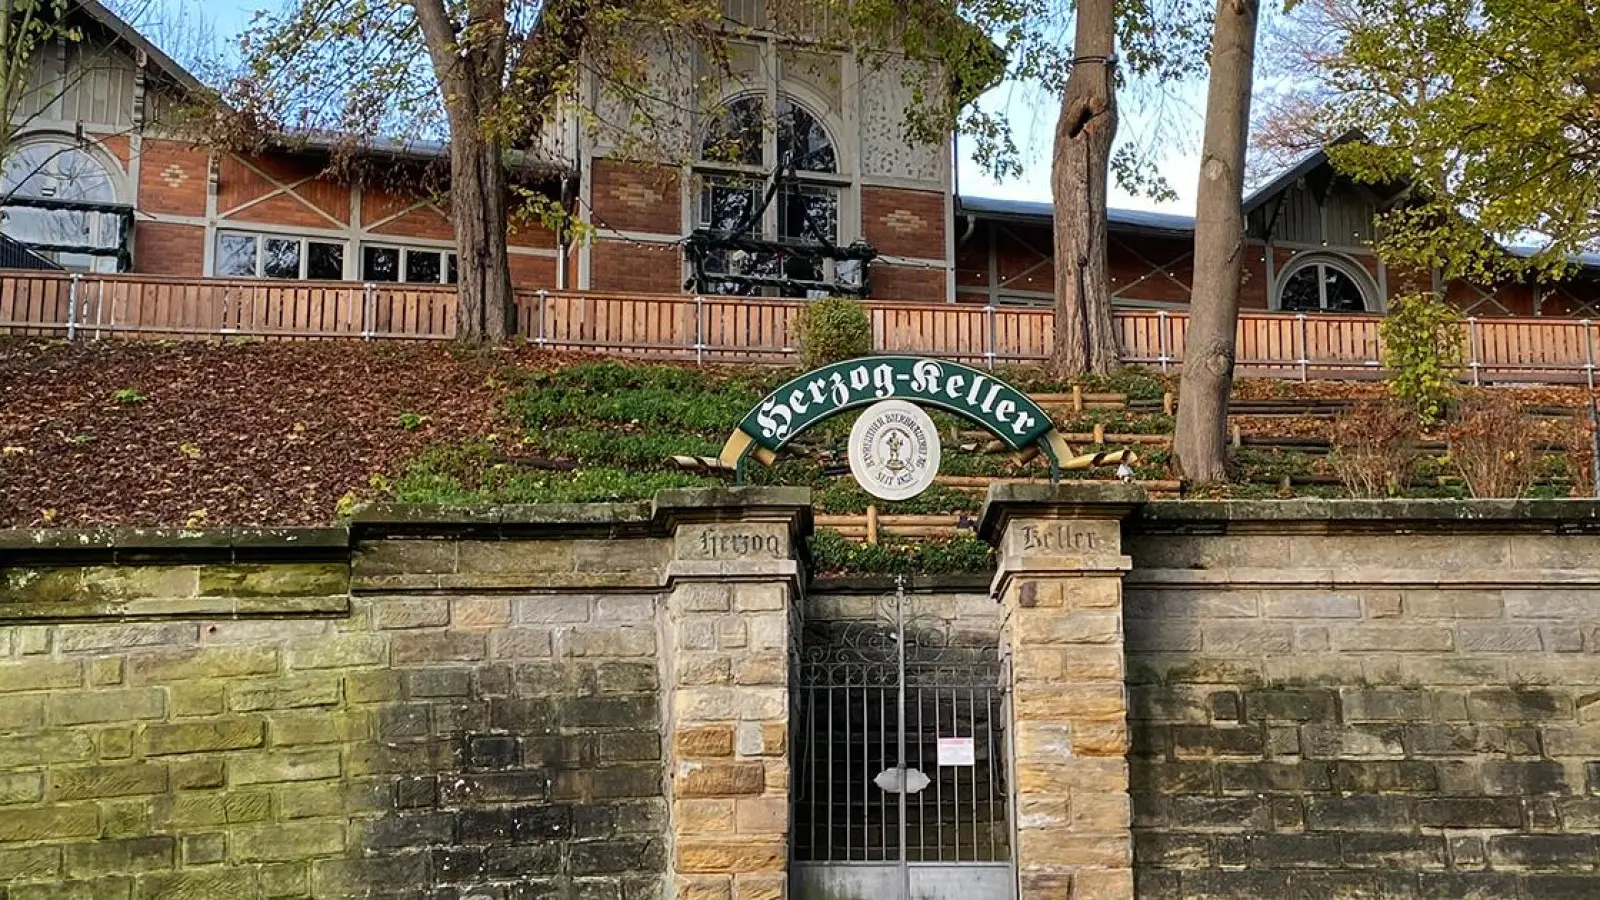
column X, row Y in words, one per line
column 872, row 524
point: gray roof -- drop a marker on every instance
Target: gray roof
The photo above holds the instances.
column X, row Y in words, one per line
column 1039, row 212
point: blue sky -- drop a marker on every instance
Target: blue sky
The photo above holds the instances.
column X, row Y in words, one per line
column 1031, row 115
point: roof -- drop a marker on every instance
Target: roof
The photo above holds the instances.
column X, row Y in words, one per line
column 1305, row 165
column 114, row 23
column 1039, row 212
column 15, row 255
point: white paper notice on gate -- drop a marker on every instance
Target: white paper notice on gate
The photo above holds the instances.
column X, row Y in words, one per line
column 956, row 751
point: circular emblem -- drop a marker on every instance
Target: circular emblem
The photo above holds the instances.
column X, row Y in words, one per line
column 894, row 450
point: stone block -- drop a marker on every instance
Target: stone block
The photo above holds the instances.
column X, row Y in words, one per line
column 514, row 557
column 1248, row 638
column 1202, row 741
column 1312, row 605
column 51, row 823
column 197, row 774
column 704, row 741
column 720, row 779
column 1047, row 848
column 761, row 815
column 520, row 643
column 1384, row 705
column 233, row 733
column 203, row 663
column 341, row 651
column 21, row 713
column 1071, row 702
column 1518, row 704
column 282, row 765
column 40, row 675
column 275, row 580
column 412, row 647
column 105, row 671
column 117, row 780
column 1290, row 705
column 759, row 887
column 1358, row 813
column 196, row 698
column 711, row 857
column 282, row 880
column 1498, row 638
column 120, row 857
column 30, row 864
column 287, row 841
column 480, row 612
column 288, row 692
column 625, row 641
column 1053, row 627
column 99, row 638
column 1546, row 852
column 1393, row 639
column 428, row 612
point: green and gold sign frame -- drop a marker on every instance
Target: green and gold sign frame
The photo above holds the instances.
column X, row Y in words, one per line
column 973, row 394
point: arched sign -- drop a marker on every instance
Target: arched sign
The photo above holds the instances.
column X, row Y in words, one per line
column 977, row 396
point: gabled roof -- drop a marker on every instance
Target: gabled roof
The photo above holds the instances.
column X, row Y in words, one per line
column 1305, row 165
column 114, row 23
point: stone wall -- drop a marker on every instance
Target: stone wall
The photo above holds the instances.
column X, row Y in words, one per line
column 1365, row 700
column 475, row 707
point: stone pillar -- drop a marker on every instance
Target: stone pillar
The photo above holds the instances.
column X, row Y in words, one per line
column 733, row 587
column 1059, row 578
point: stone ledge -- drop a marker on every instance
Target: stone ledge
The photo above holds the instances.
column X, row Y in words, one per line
column 64, row 546
column 1312, row 516
column 1244, row 577
column 1067, row 499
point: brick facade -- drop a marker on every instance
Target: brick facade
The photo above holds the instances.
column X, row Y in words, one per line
column 635, row 268
column 632, row 197
column 161, row 249
column 901, row 222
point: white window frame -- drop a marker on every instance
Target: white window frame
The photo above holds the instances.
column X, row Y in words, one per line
column 261, row 258
column 445, row 253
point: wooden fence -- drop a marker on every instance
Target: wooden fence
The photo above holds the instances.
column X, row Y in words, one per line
column 728, row 329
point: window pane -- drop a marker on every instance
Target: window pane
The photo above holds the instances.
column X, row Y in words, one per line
column 236, row 255
column 324, row 261
column 808, row 213
column 802, row 141
column 280, row 257
column 50, row 170
column 1300, row 293
column 423, row 265
column 453, row 274
column 726, row 203
column 1344, row 295
column 735, row 134
column 380, row 264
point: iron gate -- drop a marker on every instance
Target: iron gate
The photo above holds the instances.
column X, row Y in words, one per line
column 878, row 713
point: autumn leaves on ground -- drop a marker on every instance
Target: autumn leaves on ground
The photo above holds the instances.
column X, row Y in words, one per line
column 207, row 434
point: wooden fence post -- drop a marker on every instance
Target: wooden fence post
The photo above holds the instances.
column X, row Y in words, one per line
column 699, row 330
column 538, row 339
column 1588, row 364
column 989, row 354
column 1472, row 348
column 369, row 312
column 1163, row 338
column 1305, row 362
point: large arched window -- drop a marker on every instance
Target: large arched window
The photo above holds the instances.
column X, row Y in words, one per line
column 769, row 179
column 1323, row 282
column 62, row 199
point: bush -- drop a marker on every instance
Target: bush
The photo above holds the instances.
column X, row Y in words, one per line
column 1422, row 350
column 1494, row 446
column 832, row 330
column 1373, row 448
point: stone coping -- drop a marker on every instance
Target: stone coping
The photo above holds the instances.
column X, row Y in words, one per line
column 1323, row 516
column 1097, row 500
column 657, row 517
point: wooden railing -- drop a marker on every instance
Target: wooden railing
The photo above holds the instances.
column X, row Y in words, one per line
column 730, row 329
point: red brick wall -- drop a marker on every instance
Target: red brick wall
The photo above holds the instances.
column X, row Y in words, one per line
column 241, row 180
column 907, row 283
column 634, row 268
column 532, row 272
column 172, row 178
column 631, row 197
column 161, row 249
column 1133, row 261
column 899, row 222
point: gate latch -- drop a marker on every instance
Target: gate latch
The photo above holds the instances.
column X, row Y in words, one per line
column 899, row 780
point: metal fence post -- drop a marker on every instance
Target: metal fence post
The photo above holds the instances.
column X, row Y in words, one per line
column 1163, row 333
column 1472, row 348
column 369, row 302
column 538, row 333
column 72, row 307
column 991, row 352
column 100, row 306
column 699, row 329
column 1588, row 361
column 1305, row 361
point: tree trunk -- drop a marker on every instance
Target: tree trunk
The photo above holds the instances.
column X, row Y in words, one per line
column 470, row 75
column 485, row 306
column 1084, row 340
column 1201, row 439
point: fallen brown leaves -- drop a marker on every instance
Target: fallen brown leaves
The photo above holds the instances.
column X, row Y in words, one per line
column 209, row 434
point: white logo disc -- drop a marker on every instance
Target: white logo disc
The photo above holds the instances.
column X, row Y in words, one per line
column 894, row 450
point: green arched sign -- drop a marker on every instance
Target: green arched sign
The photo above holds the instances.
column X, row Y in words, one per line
column 977, row 396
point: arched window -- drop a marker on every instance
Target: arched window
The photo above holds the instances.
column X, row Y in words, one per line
column 769, row 179
column 1324, row 282
column 62, row 199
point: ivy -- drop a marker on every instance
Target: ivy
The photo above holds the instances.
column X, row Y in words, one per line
column 1422, row 346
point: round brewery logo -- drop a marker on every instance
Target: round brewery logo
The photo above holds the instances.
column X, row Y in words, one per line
column 894, row 450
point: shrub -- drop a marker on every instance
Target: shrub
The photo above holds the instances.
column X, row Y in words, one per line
column 832, row 330
column 1374, row 445
column 1422, row 350
column 1494, row 446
